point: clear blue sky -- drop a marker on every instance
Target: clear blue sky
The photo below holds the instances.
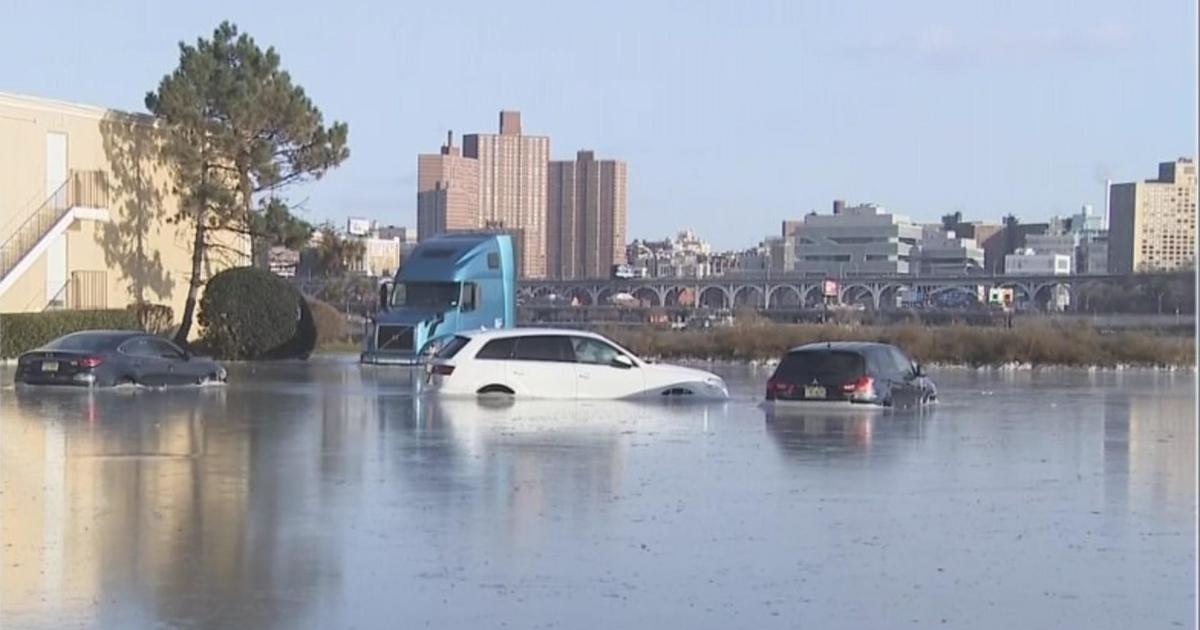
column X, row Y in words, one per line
column 731, row 115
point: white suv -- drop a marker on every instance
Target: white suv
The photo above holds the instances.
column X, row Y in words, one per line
column 556, row 363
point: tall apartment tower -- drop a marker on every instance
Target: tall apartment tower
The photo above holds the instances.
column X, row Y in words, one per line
column 512, row 188
column 1152, row 224
column 585, row 224
column 447, row 191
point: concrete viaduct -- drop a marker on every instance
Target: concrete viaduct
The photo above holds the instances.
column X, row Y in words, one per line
column 787, row 291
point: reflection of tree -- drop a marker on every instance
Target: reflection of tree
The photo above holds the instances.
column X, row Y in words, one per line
column 136, row 198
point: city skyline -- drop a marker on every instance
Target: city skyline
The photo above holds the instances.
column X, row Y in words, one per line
column 927, row 109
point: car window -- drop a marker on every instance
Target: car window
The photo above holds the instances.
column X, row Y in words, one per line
column 496, row 349
column 165, row 349
column 544, row 348
column 139, row 347
column 470, row 297
column 904, row 365
column 834, row 366
column 452, row 347
column 594, row 351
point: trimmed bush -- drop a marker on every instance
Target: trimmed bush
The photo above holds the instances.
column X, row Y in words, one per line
column 21, row 332
column 156, row 319
column 331, row 323
column 249, row 313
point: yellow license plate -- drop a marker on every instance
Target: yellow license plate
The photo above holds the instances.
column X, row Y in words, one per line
column 49, row 366
column 812, row 391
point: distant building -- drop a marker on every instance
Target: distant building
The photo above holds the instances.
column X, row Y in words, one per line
column 380, row 258
column 358, row 226
column 585, row 222
column 513, row 186
column 862, row 239
column 944, row 253
column 1029, row 262
column 781, row 254
column 1058, row 239
column 684, row 256
column 1152, row 224
column 283, row 262
column 447, row 191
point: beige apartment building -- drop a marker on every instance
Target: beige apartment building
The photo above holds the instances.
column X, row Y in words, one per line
column 447, row 191
column 84, row 208
column 585, row 223
column 512, row 187
column 1152, row 224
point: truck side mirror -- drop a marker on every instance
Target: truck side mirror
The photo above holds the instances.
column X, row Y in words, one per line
column 385, row 291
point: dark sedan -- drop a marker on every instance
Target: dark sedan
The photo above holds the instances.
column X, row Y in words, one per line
column 105, row 358
column 845, row 373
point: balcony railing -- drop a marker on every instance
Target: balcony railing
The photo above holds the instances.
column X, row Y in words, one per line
column 82, row 189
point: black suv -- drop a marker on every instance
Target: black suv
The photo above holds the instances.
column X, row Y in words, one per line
column 843, row 372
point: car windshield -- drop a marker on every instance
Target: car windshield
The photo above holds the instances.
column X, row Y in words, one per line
column 86, row 342
column 821, row 365
column 438, row 295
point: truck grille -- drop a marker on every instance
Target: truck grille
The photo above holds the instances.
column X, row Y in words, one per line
column 394, row 338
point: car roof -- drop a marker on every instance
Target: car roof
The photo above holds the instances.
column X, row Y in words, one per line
column 500, row 333
column 113, row 334
column 845, row 346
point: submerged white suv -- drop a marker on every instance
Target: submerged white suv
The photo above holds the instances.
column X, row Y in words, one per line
column 556, row 363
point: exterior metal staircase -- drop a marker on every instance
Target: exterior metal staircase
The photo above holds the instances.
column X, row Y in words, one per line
column 83, row 189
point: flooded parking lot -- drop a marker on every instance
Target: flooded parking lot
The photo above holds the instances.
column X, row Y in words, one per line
column 324, row 495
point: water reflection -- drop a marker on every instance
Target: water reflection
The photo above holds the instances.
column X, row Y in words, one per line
column 806, row 434
column 326, row 495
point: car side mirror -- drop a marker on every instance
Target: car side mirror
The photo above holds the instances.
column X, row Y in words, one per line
column 621, row 361
column 384, row 293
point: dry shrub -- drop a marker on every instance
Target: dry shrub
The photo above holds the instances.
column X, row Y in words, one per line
column 1037, row 344
column 331, row 323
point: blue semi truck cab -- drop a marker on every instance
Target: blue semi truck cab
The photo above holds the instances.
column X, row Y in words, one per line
column 449, row 283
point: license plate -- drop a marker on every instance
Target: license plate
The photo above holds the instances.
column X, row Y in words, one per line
column 813, row 391
column 49, row 366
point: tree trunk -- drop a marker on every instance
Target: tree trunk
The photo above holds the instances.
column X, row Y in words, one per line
column 189, row 307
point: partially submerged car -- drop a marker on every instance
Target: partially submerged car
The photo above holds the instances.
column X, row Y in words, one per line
column 850, row 373
column 555, row 363
column 103, row 358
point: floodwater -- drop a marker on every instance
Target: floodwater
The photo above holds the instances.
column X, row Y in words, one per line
column 323, row 495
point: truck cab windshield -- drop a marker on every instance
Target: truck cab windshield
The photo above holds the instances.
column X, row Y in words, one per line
column 433, row 295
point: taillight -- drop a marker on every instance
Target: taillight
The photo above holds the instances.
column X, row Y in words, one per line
column 90, row 362
column 443, row 370
column 778, row 387
column 860, row 386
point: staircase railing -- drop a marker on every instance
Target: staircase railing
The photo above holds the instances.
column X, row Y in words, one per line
column 82, row 189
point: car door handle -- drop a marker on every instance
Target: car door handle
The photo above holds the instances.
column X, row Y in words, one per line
column 518, row 373
column 584, row 376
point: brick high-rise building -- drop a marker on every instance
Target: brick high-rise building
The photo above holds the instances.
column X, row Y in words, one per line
column 512, row 187
column 585, row 221
column 447, row 191
column 1152, row 224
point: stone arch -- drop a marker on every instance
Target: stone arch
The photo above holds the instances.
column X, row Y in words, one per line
column 886, row 295
column 784, row 296
column 679, row 296
column 578, row 295
column 749, row 295
column 857, row 293
column 811, row 296
column 713, row 296
column 1044, row 294
column 647, row 295
column 942, row 295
